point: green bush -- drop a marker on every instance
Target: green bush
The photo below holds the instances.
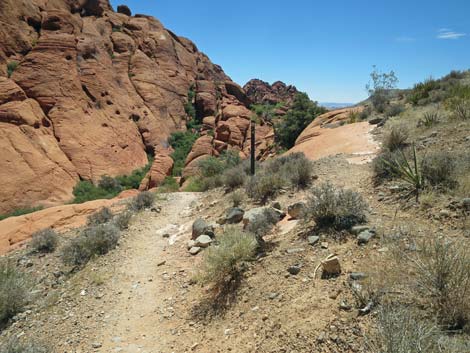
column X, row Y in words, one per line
column 102, row 216
column 169, row 185
column 267, row 111
column 189, row 105
column 222, row 263
column 15, row 287
column 44, row 241
column 297, row 118
column 143, row 200
column 396, row 139
column 13, row 345
column 93, row 241
column 194, row 184
column 237, row 198
column 421, row 91
column 11, row 67
column 109, row 187
column 334, row 208
column 181, row 142
column 440, row 170
column 211, row 166
column 20, row 212
column 394, row 110
column 429, row 119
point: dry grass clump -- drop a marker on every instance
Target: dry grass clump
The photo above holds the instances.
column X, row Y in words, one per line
column 264, row 186
column 13, row 345
column 123, row 219
column 223, row 263
column 44, row 241
column 237, row 197
column 396, row 139
column 439, row 170
column 336, row 208
column 15, row 287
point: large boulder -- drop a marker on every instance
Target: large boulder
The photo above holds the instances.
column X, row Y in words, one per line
column 261, row 213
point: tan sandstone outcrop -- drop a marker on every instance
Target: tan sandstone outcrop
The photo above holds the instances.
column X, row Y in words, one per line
column 331, row 134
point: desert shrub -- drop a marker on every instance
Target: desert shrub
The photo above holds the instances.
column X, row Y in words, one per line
column 237, row 198
column 264, row 185
column 93, row 241
column 461, row 109
column 400, row 331
column 109, row 184
column 15, row 288
column 381, row 166
column 234, row 177
column 297, row 118
column 11, row 67
column 262, row 224
column 439, row 170
column 13, row 345
column 394, row 110
column 189, row 104
column 182, row 142
column 299, row 172
column 442, row 277
column 194, row 184
column 143, row 200
column 429, row 119
column 122, row 219
column 85, row 191
column 222, row 263
column 44, row 241
column 169, row 185
column 396, row 139
column 102, row 216
column 353, row 117
column 211, row 166
column 421, row 91
column 336, row 208
column 20, row 212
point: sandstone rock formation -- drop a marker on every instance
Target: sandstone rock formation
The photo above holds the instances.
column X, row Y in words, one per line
column 261, row 92
column 86, row 91
column 16, row 231
column 332, row 133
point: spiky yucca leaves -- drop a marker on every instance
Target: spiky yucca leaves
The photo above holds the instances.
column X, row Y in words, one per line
column 408, row 172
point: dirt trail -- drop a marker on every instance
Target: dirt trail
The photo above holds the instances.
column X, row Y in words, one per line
column 144, row 283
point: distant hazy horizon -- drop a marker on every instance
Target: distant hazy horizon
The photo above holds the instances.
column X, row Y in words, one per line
column 326, row 49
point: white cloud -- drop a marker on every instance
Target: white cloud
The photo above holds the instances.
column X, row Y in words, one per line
column 446, row 33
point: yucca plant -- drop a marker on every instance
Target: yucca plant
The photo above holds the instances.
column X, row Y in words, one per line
column 429, row 119
column 408, row 172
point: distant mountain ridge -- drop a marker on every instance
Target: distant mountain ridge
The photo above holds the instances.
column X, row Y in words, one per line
column 333, row 105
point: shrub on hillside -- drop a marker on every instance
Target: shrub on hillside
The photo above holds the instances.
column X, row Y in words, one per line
column 15, row 287
column 122, row 219
column 264, row 185
column 109, row 184
column 439, row 170
column 234, row 177
column 442, row 278
column 169, row 185
column 421, row 91
column 13, row 345
column 334, row 208
column 102, row 216
column 143, row 200
column 394, row 110
column 44, row 241
column 294, row 168
column 222, row 263
column 297, row 118
column 11, row 67
column 382, row 166
column 396, row 139
column 237, row 198
column 93, row 241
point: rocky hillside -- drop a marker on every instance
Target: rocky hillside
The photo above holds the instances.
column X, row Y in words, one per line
column 86, row 92
column 261, row 92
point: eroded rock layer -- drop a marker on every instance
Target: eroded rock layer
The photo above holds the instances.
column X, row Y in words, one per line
column 86, row 91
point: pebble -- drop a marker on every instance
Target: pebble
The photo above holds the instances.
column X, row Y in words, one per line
column 294, row 270
column 364, row 237
column 357, row 276
column 313, row 239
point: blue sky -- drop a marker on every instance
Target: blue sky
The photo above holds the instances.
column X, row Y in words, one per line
column 325, row 48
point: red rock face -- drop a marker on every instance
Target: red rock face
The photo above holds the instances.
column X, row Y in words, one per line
column 94, row 91
column 260, row 92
